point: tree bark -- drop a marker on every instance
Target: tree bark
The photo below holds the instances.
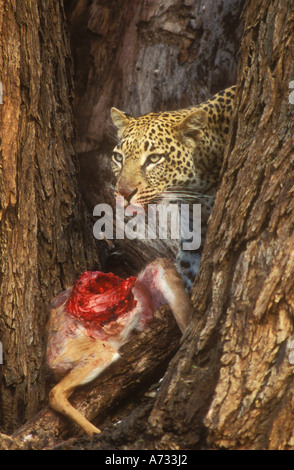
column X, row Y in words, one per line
column 46, row 240
column 146, row 57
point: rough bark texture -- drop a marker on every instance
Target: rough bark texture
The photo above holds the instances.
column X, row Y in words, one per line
column 148, row 56
column 44, row 240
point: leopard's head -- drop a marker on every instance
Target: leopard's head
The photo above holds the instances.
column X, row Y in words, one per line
column 156, row 153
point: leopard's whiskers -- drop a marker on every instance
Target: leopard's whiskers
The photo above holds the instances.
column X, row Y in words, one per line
column 187, row 195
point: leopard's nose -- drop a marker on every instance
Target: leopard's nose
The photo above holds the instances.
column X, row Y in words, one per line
column 126, row 191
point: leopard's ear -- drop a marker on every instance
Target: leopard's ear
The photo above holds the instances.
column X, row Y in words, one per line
column 190, row 128
column 120, row 120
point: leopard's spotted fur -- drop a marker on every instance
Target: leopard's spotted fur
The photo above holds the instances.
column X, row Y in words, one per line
column 173, row 155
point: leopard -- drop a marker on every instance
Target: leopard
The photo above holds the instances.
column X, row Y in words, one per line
column 174, row 156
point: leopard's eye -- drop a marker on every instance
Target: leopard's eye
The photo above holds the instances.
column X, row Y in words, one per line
column 154, row 158
column 117, row 158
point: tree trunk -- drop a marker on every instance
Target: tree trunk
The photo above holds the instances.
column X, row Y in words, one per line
column 46, row 240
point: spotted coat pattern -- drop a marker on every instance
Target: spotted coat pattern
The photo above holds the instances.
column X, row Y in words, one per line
column 173, row 155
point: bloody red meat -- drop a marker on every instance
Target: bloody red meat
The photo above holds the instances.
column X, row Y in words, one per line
column 99, row 298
